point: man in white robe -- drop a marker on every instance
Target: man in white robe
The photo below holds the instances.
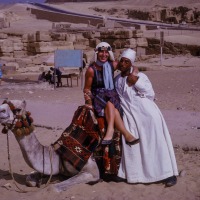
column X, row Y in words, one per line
column 152, row 159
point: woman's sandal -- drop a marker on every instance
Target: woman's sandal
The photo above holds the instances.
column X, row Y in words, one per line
column 133, row 142
column 106, row 142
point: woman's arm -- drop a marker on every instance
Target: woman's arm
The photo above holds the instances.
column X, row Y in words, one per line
column 89, row 75
column 115, row 65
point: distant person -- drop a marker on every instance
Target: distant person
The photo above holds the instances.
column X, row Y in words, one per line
column 58, row 74
column 1, row 72
column 41, row 77
column 83, row 66
column 49, row 78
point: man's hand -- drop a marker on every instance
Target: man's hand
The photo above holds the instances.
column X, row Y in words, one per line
column 133, row 77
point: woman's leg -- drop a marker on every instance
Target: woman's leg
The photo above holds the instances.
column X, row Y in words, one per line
column 119, row 124
column 110, row 117
column 113, row 118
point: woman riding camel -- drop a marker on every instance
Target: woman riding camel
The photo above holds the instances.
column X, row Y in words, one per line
column 100, row 93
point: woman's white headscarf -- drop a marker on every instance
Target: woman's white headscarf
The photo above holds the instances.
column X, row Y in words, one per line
column 130, row 54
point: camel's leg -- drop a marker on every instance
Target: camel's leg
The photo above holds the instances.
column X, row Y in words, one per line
column 89, row 173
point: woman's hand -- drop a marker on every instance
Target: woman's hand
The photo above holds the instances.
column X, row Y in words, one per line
column 115, row 65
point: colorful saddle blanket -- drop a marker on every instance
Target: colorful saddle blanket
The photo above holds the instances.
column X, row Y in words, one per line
column 80, row 138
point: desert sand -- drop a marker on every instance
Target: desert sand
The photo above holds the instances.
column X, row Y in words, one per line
column 177, row 94
column 177, row 87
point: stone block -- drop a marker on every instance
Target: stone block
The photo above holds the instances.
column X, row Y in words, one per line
column 19, row 54
column 79, row 36
column 97, row 34
column 70, row 37
column 6, row 49
column 131, row 43
column 142, row 42
column 7, row 54
column 44, row 47
column 22, row 63
column 82, row 41
column 9, row 70
column 33, row 68
column 143, row 27
column 117, row 34
column 30, row 37
column 43, row 36
column 80, row 46
column 37, row 60
column 141, row 51
column 62, row 27
column 119, row 44
column 123, row 33
column 6, row 46
column 12, row 65
column 89, row 56
column 58, row 36
column 108, row 34
column 137, row 33
column 89, row 35
column 93, row 43
column 66, row 47
column 18, row 46
column 61, row 43
column 3, row 36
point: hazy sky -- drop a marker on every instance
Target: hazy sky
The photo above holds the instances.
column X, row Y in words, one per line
column 21, row 1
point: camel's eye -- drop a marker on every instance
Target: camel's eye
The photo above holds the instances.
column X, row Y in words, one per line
column 3, row 111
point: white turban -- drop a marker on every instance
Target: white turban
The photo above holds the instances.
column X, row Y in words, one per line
column 107, row 47
column 130, row 54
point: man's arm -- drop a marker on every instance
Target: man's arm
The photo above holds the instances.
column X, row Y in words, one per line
column 142, row 84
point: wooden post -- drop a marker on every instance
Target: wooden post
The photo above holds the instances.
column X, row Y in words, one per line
column 161, row 47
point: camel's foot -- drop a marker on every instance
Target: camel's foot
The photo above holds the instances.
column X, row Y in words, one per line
column 34, row 179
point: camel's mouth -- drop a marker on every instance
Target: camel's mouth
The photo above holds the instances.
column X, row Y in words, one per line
column 4, row 120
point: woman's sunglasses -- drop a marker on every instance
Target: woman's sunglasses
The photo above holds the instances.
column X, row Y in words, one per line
column 104, row 48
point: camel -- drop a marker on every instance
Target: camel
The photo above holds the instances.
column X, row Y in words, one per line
column 43, row 159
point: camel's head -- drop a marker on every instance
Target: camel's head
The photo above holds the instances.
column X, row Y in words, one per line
column 9, row 110
column 13, row 116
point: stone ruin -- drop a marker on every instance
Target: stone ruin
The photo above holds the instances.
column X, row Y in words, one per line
column 28, row 52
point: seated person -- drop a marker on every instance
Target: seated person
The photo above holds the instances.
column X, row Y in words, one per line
column 49, row 78
column 41, row 77
column 58, row 74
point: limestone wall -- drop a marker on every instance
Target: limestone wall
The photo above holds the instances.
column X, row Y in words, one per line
column 29, row 52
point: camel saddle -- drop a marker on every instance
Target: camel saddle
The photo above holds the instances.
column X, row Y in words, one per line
column 81, row 139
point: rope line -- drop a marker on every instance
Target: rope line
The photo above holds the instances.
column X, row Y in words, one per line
column 11, row 172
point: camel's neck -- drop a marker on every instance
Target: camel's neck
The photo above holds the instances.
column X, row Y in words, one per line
column 38, row 156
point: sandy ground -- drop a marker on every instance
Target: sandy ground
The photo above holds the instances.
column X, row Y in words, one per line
column 177, row 87
column 177, row 90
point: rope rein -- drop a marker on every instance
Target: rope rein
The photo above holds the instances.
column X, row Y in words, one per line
column 11, row 172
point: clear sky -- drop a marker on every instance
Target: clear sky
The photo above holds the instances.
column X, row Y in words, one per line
column 21, row 1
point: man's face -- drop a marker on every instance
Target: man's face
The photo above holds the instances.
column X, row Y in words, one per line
column 124, row 64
